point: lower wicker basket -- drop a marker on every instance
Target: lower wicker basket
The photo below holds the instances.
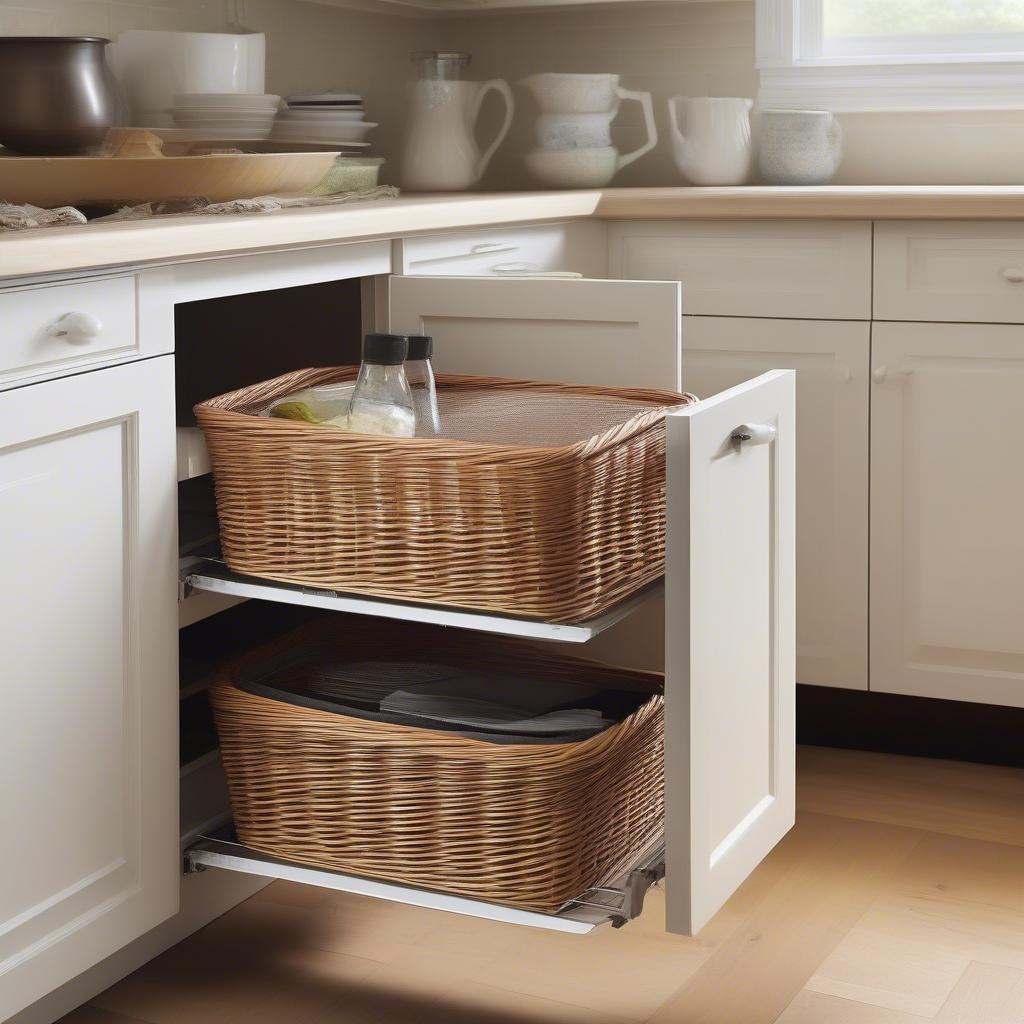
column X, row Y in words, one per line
column 544, row 500
column 528, row 825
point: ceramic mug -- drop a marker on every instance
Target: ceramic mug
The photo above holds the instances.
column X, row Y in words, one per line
column 799, row 147
column 711, row 139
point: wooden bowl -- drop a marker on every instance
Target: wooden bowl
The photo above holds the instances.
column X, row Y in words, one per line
column 219, row 177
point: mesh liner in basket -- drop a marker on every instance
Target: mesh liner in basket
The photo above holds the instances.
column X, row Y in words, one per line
column 541, row 500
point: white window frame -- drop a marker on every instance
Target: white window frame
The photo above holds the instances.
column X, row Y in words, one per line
column 795, row 72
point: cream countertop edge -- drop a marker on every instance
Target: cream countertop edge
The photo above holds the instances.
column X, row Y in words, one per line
column 63, row 250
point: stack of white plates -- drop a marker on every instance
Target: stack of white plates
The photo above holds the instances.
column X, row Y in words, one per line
column 329, row 118
column 225, row 115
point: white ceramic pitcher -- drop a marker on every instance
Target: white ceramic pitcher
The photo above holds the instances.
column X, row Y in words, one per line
column 574, row 129
column 711, row 138
column 441, row 153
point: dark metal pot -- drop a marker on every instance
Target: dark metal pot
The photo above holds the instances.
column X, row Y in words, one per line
column 58, row 97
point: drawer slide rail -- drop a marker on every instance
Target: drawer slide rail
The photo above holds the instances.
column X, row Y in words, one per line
column 211, row 575
column 616, row 903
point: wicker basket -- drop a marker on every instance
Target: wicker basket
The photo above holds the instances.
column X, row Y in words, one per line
column 528, row 825
column 545, row 500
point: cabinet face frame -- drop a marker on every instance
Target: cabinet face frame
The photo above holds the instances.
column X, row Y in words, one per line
column 937, row 628
column 114, row 777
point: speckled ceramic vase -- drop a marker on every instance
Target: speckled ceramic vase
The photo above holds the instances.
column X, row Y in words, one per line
column 798, row 147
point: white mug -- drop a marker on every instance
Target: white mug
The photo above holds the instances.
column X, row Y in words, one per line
column 711, row 138
column 799, row 147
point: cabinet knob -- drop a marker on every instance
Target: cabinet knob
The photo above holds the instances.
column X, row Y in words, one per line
column 1015, row 275
column 845, row 374
column 754, row 433
column 77, row 328
column 879, row 374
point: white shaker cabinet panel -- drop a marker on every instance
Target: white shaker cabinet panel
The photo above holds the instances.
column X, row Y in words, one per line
column 950, row 271
column 605, row 333
column 88, row 688
column 832, row 363
column 947, row 504
column 805, row 269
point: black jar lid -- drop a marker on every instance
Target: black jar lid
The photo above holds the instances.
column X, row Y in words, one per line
column 385, row 349
column 421, row 346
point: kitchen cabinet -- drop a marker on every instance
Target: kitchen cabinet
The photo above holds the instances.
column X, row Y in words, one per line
column 88, row 702
column 947, row 503
column 832, row 362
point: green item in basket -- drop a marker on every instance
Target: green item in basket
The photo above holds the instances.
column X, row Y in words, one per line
column 295, row 411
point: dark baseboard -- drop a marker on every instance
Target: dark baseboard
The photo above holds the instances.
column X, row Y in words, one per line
column 919, row 726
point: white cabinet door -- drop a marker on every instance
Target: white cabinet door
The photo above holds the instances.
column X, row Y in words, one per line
column 89, row 854
column 947, row 504
column 730, row 642
column 832, row 360
column 730, row 566
column 609, row 333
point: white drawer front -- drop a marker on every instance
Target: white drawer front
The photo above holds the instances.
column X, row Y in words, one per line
column 949, row 271
column 53, row 329
column 795, row 269
column 537, row 249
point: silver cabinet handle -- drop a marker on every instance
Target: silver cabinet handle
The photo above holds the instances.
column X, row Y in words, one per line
column 77, row 328
column 754, row 433
column 1015, row 275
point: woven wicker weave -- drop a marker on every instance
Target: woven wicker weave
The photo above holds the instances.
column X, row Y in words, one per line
column 531, row 826
column 551, row 504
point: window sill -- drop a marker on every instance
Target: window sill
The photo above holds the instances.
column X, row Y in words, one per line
column 895, row 87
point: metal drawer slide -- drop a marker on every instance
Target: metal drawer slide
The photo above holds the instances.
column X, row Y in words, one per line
column 616, row 903
column 211, row 575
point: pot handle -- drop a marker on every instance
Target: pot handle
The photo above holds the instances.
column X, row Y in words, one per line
column 499, row 85
column 644, row 99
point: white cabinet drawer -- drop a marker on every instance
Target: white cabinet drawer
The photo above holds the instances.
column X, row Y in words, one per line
column 795, row 269
column 537, row 249
column 946, row 271
column 49, row 330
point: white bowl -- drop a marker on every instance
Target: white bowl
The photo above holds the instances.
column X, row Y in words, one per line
column 334, row 133
column 220, row 115
column 292, row 114
column 228, row 129
column 574, row 168
column 226, row 99
column 325, row 97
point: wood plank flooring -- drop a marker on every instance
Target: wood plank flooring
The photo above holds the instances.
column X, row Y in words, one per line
column 897, row 899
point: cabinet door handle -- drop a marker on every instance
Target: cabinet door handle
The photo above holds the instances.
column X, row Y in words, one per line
column 754, row 433
column 879, row 374
column 485, row 247
column 1015, row 275
column 77, row 328
column 845, row 374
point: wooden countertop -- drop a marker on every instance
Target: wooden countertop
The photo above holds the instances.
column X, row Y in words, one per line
column 96, row 246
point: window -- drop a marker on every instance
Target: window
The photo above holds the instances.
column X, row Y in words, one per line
column 891, row 54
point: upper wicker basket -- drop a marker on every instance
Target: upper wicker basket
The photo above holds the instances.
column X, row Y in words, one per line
column 541, row 500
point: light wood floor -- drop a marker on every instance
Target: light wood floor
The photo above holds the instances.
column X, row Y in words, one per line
column 897, row 899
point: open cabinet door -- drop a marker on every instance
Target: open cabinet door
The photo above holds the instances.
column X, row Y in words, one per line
column 730, row 642
column 576, row 331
